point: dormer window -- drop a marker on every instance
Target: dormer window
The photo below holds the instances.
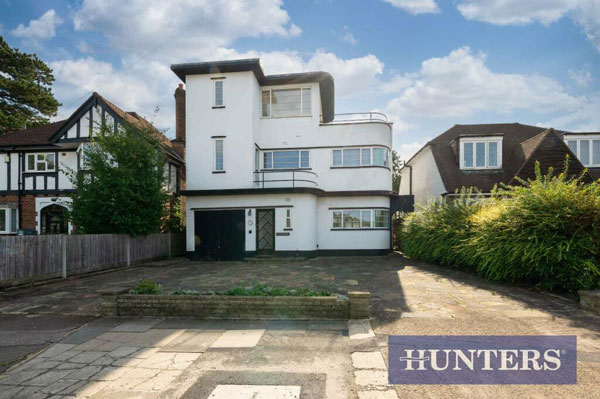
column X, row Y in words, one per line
column 481, row 153
column 586, row 149
column 286, row 103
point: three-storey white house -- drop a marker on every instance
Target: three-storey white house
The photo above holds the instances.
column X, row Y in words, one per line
column 271, row 170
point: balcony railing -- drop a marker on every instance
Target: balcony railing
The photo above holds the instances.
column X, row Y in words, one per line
column 359, row 117
column 285, row 178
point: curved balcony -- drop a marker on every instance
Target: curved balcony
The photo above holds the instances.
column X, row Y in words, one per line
column 359, row 117
column 285, row 178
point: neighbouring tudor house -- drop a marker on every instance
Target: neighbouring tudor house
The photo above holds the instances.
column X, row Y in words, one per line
column 482, row 156
column 273, row 171
column 34, row 190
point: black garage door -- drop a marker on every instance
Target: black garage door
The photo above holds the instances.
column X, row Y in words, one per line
column 220, row 234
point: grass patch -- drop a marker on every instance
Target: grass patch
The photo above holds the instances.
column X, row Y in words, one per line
column 264, row 290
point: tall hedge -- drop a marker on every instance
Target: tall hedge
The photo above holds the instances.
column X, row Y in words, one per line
column 544, row 232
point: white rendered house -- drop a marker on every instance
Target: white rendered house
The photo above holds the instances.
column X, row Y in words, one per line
column 270, row 171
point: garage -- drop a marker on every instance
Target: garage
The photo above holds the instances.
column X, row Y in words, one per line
column 219, row 234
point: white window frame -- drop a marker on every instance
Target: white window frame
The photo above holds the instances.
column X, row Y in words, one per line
column 579, row 138
column 270, row 91
column 288, row 219
column 273, row 159
column 8, row 212
column 362, row 161
column 486, row 141
column 360, row 211
column 36, row 160
column 222, row 92
column 215, row 140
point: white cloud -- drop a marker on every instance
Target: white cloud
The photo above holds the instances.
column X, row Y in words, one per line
column 416, row 6
column 42, row 28
column 586, row 13
column 407, row 150
column 585, row 118
column 346, row 36
column 84, row 47
column 182, row 29
column 460, row 84
column 583, row 77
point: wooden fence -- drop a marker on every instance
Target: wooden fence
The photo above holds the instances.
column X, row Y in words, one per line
column 26, row 259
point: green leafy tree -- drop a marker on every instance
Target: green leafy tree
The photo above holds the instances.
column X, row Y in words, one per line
column 121, row 189
column 396, row 165
column 26, row 98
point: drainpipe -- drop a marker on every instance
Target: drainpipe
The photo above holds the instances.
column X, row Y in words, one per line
column 19, row 194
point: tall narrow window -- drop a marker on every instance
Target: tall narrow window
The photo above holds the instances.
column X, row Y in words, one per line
column 266, row 103
column 288, row 218
column 366, row 156
column 8, row 220
column 468, row 155
column 219, row 155
column 337, row 157
column 219, row 93
column 584, row 151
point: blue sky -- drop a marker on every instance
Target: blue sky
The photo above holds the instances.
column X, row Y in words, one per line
column 427, row 64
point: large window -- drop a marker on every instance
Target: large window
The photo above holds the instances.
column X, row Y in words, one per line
column 285, row 159
column 8, row 220
column 40, row 163
column 218, row 99
column 586, row 148
column 286, row 102
column 219, row 155
column 481, row 153
column 348, row 219
column 348, row 157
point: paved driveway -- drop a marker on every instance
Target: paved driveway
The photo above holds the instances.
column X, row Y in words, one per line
column 407, row 298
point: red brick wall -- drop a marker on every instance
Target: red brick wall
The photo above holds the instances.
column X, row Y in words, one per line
column 28, row 213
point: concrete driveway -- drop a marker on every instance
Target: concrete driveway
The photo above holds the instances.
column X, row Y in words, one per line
column 171, row 358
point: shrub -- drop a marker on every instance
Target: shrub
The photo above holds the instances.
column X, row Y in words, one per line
column 263, row 290
column 185, row 292
column 543, row 232
column 147, row 287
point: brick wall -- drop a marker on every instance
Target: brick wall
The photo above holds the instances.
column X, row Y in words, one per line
column 28, row 214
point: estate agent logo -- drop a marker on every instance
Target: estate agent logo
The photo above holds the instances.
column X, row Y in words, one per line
column 483, row 359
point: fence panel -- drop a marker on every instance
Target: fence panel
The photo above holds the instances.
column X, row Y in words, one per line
column 30, row 258
column 149, row 247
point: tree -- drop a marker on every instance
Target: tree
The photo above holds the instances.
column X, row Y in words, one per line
column 121, row 189
column 396, row 165
column 26, row 98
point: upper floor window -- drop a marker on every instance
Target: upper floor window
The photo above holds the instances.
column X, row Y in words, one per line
column 375, row 156
column 586, row 148
column 218, row 86
column 286, row 102
column 481, row 153
column 40, row 163
column 8, row 220
column 285, row 159
column 219, row 155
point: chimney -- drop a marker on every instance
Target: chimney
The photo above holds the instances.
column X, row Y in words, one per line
column 180, row 113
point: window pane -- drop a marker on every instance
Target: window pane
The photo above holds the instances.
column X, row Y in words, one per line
column 50, row 161
column 285, row 102
column 285, row 159
column 382, row 218
column 304, row 159
column 366, row 156
column 380, row 156
column 288, row 218
column 572, row 146
column 268, row 160
column 365, row 217
column 218, row 93
column 596, row 152
column 468, row 155
column 337, row 157
column 351, row 219
column 41, row 165
column 2, row 219
column 584, row 152
column 493, row 153
column 31, row 162
column 218, row 154
column 352, row 157
column 305, row 101
column 13, row 221
column 480, row 155
column 337, row 219
column 266, row 103
column 256, row 160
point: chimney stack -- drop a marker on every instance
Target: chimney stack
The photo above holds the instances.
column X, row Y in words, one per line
column 180, row 113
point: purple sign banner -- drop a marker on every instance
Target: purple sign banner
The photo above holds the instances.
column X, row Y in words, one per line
column 482, row 359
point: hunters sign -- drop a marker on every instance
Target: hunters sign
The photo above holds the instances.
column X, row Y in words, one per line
column 483, row 359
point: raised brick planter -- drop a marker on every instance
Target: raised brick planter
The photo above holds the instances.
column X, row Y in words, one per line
column 119, row 303
column 590, row 300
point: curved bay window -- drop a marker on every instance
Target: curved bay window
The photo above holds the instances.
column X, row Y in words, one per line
column 54, row 220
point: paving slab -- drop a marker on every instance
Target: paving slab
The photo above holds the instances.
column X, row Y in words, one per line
column 371, row 377
column 238, row 339
column 192, row 341
column 387, row 394
column 360, row 329
column 368, row 360
column 255, row 392
column 137, row 325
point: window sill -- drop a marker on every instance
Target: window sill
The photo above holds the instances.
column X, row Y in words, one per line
column 490, row 169
column 218, row 171
column 218, row 107
column 288, row 229
column 281, row 170
column 359, row 167
column 286, row 117
column 361, row 229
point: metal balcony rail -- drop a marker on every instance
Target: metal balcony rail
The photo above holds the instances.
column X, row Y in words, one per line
column 360, row 117
column 259, row 178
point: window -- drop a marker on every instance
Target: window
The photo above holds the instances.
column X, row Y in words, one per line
column 349, row 157
column 40, row 163
column 361, row 219
column 219, row 155
column 481, row 153
column 288, row 218
column 218, row 93
column 285, row 159
column 286, row 103
column 8, row 220
column 586, row 149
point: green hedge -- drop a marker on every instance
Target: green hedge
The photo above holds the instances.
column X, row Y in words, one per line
column 544, row 232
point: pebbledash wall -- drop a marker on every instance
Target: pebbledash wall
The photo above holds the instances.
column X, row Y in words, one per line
column 247, row 135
